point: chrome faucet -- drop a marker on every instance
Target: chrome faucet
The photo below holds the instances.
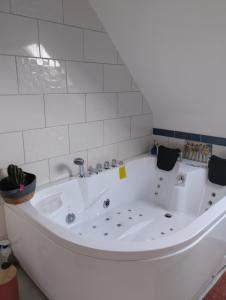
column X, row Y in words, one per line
column 80, row 163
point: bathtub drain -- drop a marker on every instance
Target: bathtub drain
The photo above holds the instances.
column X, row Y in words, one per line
column 167, row 215
column 106, row 203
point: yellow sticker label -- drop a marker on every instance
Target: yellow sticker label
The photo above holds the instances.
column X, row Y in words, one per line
column 122, row 172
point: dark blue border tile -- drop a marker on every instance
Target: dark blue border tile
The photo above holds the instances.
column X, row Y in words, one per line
column 163, row 132
column 181, row 135
column 194, row 137
column 187, row 136
column 213, row 140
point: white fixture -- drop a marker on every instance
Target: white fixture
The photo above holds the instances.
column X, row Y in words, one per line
column 144, row 236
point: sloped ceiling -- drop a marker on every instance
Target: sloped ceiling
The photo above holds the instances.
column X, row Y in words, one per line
column 176, row 51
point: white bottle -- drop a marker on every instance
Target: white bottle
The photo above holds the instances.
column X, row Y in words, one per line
column 5, row 251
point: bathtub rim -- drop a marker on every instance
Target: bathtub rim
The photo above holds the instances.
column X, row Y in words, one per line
column 114, row 250
column 118, row 250
column 154, row 250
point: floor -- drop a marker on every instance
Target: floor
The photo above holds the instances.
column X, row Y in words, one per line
column 218, row 292
column 27, row 289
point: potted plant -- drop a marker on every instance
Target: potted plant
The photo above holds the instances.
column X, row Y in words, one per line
column 18, row 187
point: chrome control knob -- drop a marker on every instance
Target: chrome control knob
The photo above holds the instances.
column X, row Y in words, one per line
column 106, row 165
column 114, row 163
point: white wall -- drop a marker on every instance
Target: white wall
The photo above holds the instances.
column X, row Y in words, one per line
column 64, row 91
column 176, row 51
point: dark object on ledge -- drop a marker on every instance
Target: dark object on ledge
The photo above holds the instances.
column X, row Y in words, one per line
column 217, row 170
column 167, row 158
column 18, row 187
column 154, row 149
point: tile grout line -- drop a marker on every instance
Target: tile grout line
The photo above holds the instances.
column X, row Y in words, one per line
column 51, row 21
column 103, row 74
column 49, row 175
column 39, row 43
column 66, row 76
column 66, row 124
column 83, row 45
column 130, row 127
column 62, row 6
column 86, row 117
column 17, row 77
column 23, row 147
column 70, row 93
column 67, row 60
column 69, row 140
column 44, row 110
column 10, row 7
column 103, row 131
column 117, row 112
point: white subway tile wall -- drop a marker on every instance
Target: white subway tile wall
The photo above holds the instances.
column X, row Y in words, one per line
column 8, row 78
column 12, row 149
column 81, row 14
column 37, row 75
column 84, row 77
column 134, row 147
column 64, row 91
column 102, row 153
column 42, row 9
column 116, row 130
column 120, row 61
column 2, row 224
column 130, row 104
column 21, row 112
column 101, row 106
column 19, row 36
column 60, row 41
column 86, row 136
column 4, row 5
column 45, row 143
column 62, row 109
column 146, row 107
column 140, row 125
column 134, row 86
column 99, row 48
column 40, row 169
column 116, row 78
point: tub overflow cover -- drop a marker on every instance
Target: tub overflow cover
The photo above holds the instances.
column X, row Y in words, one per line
column 70, row 218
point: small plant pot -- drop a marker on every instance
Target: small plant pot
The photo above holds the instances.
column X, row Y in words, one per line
column 18, row 195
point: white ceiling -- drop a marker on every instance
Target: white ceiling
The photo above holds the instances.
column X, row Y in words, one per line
column 176, row 51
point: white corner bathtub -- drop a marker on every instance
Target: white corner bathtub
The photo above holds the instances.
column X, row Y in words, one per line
column 162, row 237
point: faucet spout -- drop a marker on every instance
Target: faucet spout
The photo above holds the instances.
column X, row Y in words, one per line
column 80, row 163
